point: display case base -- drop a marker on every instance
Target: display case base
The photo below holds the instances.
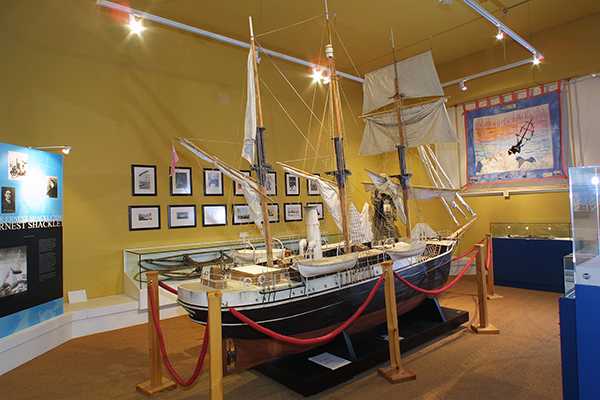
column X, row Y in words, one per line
column 366, row 350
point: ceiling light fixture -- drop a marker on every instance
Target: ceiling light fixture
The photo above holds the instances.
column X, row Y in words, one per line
column 504, row 28
column 135, row 24
column 500, row 34
column 65, row 149
column 462, row 85
column 160, row 20
column 445, row 2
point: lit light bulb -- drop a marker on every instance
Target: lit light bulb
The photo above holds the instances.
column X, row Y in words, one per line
column 500, row 34
column 135, row 24
column 463, row 87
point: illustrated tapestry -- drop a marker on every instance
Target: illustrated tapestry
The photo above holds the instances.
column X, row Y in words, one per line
column 516, row 140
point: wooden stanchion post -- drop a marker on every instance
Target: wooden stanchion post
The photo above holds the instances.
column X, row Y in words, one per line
column 484, row 325
column 490, row 272
column 157, row 383
column 215, row 344
column 396, row 373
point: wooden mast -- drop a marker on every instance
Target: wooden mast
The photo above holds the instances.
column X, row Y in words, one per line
column 261, row 166
column 341, row 171
column 404, row 176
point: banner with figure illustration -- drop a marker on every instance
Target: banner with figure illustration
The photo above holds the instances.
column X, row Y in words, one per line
column 31, row 270
column 516, row 140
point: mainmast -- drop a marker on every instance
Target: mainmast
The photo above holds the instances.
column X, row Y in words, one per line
column 404, row 176
column 341, row 171
column 262, row 166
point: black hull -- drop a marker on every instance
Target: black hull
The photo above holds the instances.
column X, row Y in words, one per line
column 316, row 312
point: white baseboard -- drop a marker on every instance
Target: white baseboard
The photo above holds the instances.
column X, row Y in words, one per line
column 81, row 319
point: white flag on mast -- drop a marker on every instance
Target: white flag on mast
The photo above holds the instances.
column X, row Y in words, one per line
column 250, row 125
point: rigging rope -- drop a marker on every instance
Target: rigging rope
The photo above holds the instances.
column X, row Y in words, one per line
column 163, row 351
column 325, row 338
column 438, row 291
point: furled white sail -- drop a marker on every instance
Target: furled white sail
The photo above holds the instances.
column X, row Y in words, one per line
column 249, row 187
column 422, row 124
column 250, row 124
column 417, row 78
column 328, row 191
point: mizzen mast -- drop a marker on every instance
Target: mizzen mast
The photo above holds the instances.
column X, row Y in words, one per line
column 404, row 176
column 341, row 172
column 262, row 166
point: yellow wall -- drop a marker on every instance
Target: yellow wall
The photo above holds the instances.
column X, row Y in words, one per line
column 71, row 75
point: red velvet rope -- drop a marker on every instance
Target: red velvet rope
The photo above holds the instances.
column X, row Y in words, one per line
column 438, row 291
column 292, row 340
column 463, row 255
column 174, row 374
column 167, row 287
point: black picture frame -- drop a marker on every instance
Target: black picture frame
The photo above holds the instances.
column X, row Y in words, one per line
column 214, row 215
column 237, row 188
column 320, row 212
column 213, row 182
column 292, row 185
column 292, row 212
column 311, row 187
column 273, row 210
column 144, row 217
column 143, row 180
column 271, row 184
column 240, row 214
column 182, row 216
column 180, row 183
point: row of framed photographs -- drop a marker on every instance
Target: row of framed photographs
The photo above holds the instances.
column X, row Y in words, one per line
column 143, row 182
column 148, row 217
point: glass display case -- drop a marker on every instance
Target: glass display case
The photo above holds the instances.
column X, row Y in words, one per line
column 583, row 190
column 180, row 263
column 542, row 230
column 530, row 255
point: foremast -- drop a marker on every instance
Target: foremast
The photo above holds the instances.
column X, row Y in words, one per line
column 341, row 172
column 261, row 166
column 404, row 176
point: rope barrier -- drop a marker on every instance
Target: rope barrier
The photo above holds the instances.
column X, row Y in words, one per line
column 172, row 371
column 292, row 340
column 167, row 287
column 463, row 255
column 438, row 291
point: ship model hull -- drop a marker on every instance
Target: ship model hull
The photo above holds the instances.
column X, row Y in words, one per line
column 313, row 310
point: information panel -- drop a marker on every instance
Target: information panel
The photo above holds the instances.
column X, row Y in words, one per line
column 31, row 270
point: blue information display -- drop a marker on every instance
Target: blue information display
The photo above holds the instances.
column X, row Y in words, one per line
column 31, row 270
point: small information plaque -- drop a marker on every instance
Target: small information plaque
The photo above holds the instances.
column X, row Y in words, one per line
column 329, row 361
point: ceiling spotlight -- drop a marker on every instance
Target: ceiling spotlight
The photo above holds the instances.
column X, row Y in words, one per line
column 462, row 86
column 135, row 24
column 500, row 34
column 445, row 2
column 318, row 76
column 536, row 60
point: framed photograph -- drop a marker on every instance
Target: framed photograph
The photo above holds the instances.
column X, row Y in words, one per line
column 240, row 214
column 311, row 187
column 143, row 180
column 271, row 184
column 237, row 188
column 320, row 214
column 292, row 185
column 292, row 212
column 181, row 182
column 214, row 215
column 144, row 217
column 213, row 182
column 182, row 216
column 273, row 210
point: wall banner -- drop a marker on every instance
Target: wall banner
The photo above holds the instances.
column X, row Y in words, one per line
column 516, row 139
column 31, row 255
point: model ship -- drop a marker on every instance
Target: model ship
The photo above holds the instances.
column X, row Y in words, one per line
column 310, row 291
